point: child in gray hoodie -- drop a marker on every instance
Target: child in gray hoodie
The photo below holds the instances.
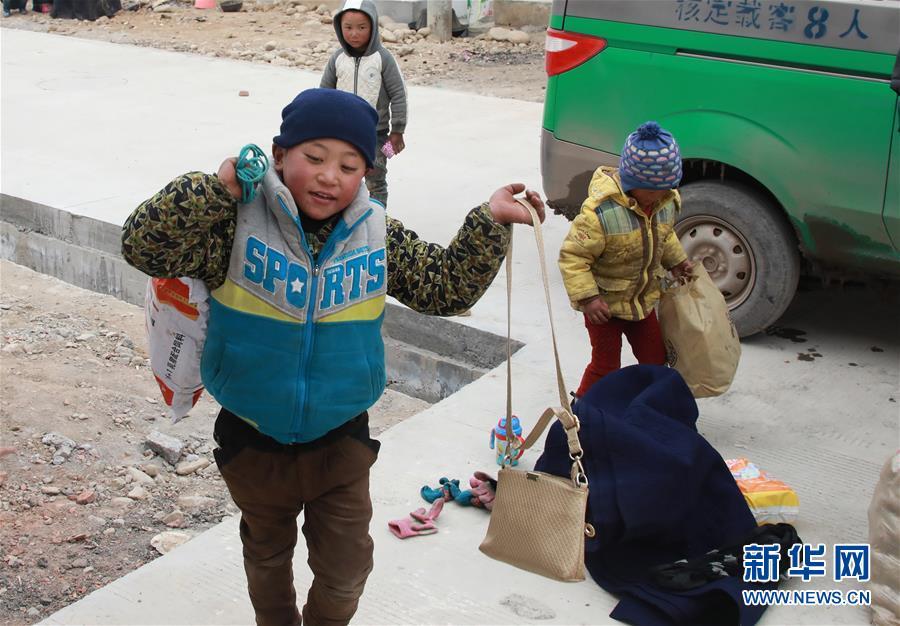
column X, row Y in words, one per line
column 364, row 67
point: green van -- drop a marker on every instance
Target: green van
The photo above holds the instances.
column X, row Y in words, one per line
column 786, row 118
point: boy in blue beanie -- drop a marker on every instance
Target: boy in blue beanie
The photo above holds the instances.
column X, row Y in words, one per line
column 298, row 278
column 620, row 245
column 365, row 67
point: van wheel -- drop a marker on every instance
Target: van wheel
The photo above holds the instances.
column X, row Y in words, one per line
column 746, row 246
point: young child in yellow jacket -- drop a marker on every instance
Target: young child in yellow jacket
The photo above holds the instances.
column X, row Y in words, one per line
column 619, row 247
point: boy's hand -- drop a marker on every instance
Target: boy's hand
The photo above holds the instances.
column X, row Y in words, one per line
column 228, row 176
column 595, row 309
column 506, row 210
column 397, row 142
column 682, row 269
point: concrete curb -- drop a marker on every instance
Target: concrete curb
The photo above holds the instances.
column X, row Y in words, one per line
column 427, row 357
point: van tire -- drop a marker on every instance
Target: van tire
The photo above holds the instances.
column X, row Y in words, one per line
column 746, row 243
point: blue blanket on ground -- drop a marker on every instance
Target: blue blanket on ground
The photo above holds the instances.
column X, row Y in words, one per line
column 659, row 492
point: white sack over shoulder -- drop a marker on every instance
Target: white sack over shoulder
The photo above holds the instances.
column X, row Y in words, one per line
column 177, row 310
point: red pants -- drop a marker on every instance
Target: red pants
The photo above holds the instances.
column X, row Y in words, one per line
column 606, row 347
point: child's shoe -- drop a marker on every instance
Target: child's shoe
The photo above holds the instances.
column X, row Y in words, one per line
column 6, row 13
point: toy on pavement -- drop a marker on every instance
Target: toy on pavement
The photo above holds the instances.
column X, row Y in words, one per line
column 448, row 490
column 498, row 437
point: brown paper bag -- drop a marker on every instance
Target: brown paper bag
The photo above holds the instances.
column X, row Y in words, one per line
column 701, row 342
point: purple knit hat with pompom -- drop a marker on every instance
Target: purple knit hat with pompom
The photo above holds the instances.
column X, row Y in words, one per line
column 650, row 159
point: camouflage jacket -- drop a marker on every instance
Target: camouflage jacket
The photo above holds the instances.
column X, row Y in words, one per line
column 187, row 229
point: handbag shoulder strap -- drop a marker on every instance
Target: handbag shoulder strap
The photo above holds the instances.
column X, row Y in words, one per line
column 564, row 412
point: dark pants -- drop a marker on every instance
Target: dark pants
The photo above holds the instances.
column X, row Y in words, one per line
column 606, row 347
column 376, row 180
column 329, row 483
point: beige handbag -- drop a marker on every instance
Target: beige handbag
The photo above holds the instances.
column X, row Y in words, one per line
column 538, row 519
column 701, row 342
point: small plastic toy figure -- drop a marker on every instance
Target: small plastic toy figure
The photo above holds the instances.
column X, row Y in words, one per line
column 498, row 433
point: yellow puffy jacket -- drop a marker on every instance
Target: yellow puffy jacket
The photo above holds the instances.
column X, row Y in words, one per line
column 616, row 251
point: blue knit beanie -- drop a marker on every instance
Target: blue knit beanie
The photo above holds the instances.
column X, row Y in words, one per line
column 650, row 159
column 329, row 113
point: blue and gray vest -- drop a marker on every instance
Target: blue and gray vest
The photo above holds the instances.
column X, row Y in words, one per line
column 294, row 345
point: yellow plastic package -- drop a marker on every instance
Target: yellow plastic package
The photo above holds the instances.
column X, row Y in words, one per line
column 771, row 500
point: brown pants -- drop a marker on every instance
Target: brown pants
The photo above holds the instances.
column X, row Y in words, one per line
column 330, row 485
column 644, row 336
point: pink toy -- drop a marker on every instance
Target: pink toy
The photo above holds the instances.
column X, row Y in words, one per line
column 421, row 516
column 483, row 490
column 422, row 522
column 406, row 528
column 388, row 149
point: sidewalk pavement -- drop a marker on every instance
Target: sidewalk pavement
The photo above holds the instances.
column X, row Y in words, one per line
column 94, row 128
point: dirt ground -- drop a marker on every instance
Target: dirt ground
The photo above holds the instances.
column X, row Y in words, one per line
column 295, row 33
column 82, row 498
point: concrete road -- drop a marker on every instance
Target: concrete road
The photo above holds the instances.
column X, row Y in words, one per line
column 94, row 128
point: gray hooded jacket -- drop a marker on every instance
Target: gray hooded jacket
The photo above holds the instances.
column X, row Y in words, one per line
column 373, row 75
